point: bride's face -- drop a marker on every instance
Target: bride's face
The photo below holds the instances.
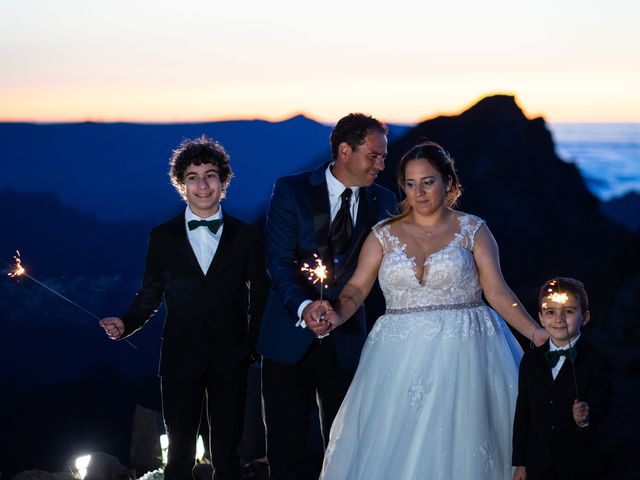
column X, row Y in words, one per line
column 424, row 186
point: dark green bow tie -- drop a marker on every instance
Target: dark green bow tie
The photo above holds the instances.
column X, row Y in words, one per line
column 213, row 225
column 553, row 356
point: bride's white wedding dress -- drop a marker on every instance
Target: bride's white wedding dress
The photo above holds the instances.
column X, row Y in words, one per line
column 434, row 394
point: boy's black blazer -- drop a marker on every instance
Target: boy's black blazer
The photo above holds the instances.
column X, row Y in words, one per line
column 545, row 434
column 213, row 319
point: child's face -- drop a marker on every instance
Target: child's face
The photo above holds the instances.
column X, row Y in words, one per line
column 551, row 319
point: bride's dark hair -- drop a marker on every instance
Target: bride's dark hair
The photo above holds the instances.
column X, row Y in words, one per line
column 440, row 159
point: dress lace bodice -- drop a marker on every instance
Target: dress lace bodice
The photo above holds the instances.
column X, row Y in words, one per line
column 451, row 276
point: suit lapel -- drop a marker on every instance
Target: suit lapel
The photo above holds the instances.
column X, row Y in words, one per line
column 543, row 366
column 319, row 197
column 179, row 234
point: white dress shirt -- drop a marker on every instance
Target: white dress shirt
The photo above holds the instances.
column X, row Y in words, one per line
column 204, row 242
column 335, row 188
column 553, row 347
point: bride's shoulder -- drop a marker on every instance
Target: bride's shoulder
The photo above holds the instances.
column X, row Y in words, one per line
column 383, row 225
column 469, row 219
column 382, row 231
column 469, row 224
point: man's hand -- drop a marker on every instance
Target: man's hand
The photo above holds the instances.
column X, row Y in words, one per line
column 113, row 326
column 581, row 413
column 314, row 317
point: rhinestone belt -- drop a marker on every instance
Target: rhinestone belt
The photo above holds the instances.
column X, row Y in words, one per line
column 431, row 308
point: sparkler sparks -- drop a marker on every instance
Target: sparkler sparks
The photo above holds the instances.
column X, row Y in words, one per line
column 317, row 273
column 558, row 297
column 20, row 271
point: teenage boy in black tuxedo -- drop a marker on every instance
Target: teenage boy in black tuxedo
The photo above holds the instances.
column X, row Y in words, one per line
column 209, row 268
column 555, row 433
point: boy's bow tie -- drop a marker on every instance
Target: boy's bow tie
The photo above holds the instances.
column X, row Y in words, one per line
column 553, row 356
column 213, row 225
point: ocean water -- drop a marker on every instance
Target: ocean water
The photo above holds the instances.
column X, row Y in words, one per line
column 607, row 154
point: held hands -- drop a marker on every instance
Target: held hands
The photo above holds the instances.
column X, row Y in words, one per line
column 113, row 326
column 320, row 317
column 581, row 413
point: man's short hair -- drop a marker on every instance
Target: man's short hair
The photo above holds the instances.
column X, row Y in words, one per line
column 353, row 129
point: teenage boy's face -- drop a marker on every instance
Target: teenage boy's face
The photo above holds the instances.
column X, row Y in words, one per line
column 551, row 319
column 203, row 189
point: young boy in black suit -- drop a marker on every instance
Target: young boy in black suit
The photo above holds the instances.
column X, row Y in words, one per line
column 209, row 269
column 555, row 427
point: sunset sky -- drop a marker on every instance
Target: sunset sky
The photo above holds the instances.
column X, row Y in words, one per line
column 402, row 61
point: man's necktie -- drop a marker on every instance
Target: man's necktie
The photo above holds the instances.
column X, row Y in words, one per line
column 213, row 225
column 553, row 356
column 342, row 226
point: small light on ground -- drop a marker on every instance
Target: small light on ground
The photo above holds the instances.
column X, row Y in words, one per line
column 164, row 447
column 82, row 463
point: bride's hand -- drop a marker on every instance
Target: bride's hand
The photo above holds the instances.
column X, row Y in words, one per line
column 333, row 319
column 314, row 317
column 539, row 337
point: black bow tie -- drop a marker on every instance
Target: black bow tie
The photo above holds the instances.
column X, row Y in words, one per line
column 553, row 356
column 213, row 225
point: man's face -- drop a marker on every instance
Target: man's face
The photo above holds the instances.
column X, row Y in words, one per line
column 203, row 189
column 360, row 166
column 562, row 321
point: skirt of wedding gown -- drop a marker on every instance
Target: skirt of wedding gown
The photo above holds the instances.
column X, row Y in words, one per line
column 433, row 398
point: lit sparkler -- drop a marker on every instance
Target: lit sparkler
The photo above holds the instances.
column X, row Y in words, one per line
column 19, row 271
column 317, row 273
column 562, row 298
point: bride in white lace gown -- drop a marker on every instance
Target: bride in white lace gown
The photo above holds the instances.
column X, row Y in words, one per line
column 434, row 394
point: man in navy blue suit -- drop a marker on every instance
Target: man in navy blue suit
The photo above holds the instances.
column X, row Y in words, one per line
column 327, row 212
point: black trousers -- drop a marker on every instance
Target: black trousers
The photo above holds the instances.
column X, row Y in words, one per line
column 224, row 394
column 554, row 475
column 286, row 391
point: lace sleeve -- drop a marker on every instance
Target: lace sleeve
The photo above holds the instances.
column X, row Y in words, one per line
column 470, row 226
column 381, row 230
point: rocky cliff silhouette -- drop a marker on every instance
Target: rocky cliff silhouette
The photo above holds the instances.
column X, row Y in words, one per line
column 538, row 207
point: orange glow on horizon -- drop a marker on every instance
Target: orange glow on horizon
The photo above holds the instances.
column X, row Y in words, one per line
column 198, row 105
